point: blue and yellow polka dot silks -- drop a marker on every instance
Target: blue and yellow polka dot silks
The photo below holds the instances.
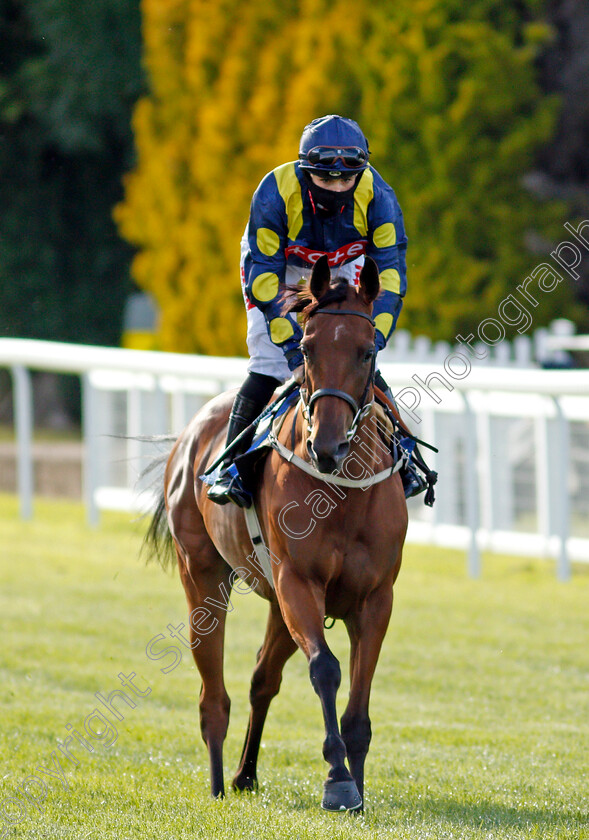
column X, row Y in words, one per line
column 284, row 229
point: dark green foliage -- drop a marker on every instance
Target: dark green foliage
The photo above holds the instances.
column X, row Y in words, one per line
column 461, row 103
column 69, row 75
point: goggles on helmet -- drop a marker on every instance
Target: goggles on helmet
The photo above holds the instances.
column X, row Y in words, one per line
column 352, row 157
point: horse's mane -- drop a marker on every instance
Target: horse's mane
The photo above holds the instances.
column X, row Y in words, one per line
column 301, row 299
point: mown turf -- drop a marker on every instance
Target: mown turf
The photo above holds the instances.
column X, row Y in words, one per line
column 480, row 701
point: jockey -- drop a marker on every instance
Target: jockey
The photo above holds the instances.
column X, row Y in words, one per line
column 330, row 201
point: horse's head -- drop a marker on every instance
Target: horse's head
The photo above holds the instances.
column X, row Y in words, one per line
column 339, row 353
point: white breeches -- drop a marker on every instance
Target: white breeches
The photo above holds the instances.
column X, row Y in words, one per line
column 265, row 356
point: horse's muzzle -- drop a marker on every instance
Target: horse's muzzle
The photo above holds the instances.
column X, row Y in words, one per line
column 328, row 458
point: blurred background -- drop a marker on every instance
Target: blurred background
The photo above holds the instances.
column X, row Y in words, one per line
column 133, row 134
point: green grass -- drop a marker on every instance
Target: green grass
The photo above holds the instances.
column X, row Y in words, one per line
column 480, row 702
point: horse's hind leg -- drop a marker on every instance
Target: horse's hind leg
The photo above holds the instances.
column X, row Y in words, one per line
column 278, row 646
column 366, row 630
column 205, row 577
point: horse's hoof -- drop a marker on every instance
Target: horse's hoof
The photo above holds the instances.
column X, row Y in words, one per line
column 341, row 796
column 243, row 784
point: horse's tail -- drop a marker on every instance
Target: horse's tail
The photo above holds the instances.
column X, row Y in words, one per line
column 158, row 543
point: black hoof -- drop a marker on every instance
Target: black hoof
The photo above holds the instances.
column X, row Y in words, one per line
column 243, row 784
column 341, row 796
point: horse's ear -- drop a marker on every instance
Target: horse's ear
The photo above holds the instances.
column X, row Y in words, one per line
column 320, row 277
column 369, row 281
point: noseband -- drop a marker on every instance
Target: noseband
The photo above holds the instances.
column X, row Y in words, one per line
column 359, row 411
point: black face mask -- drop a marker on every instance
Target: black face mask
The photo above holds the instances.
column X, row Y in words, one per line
column 329, row 202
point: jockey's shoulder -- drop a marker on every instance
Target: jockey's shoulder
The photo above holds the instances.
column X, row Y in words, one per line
column 383, row 192
column 281, row 182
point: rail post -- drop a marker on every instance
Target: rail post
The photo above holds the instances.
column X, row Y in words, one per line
column 23, row 420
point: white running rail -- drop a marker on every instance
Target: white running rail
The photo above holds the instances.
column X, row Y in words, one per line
column 513, row 441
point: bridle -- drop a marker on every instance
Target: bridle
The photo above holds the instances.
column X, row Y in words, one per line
column 360, row 411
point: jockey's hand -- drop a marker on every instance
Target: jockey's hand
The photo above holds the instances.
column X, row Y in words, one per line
column 298, row 374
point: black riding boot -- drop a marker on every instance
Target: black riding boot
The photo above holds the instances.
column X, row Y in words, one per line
column 413, row 483
column 249, row 402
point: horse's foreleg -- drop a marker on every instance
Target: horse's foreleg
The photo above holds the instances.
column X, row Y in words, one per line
column 207, row 632
column 303, row 608
column 278, row 646
column 366, row 629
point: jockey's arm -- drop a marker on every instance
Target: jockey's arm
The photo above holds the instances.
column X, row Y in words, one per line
column 387, row 246
column 265, row 267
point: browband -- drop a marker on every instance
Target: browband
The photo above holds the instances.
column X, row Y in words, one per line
column 343, row 312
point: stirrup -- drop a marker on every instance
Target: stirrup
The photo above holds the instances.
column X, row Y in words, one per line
column 228, row 488
column 413, row 483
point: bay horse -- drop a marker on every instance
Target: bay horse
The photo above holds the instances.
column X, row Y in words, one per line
column 342, row 565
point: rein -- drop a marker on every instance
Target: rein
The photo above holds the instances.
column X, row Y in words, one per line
column 360, row 411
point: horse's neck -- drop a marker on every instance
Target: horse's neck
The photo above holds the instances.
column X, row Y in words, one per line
column 299, row 437
column 372, row 439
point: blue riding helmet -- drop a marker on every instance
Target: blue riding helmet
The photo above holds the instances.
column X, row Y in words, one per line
column 334, row 144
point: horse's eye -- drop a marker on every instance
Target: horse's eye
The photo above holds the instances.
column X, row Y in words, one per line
column 368, row 355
